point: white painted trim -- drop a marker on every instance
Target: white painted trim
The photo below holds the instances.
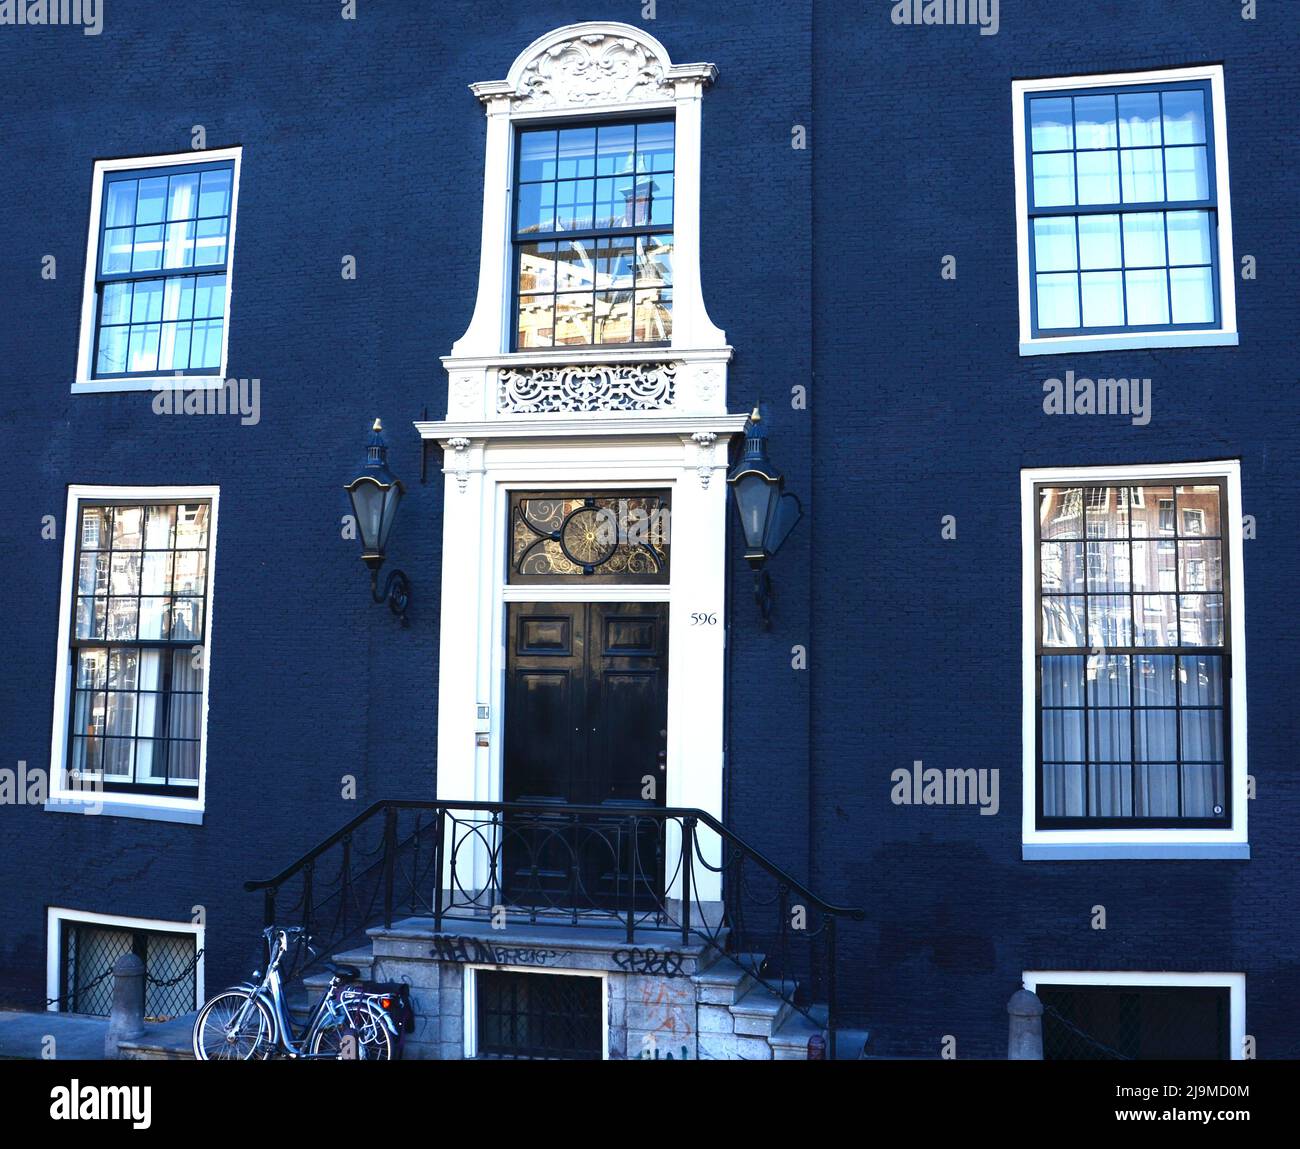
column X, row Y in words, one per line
column 488, row 336
column 62, row 798
column 469, row 999
column 56, row 916
column 84, row 381
column 1222, row 336
column 1145, row 843
column 1235, row 983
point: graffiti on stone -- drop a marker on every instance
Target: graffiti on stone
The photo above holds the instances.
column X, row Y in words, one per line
column 451, row 947
column 666, row 963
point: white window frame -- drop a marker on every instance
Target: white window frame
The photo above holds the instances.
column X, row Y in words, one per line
column 1235, row 983
column 470, row 999
column 85, row 381
column 1087, row 844
column 1225, row 335
column 57, row 915
column 64, row 798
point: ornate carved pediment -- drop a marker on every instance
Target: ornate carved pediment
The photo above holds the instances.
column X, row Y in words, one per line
column 590, row 70
column 586, row 387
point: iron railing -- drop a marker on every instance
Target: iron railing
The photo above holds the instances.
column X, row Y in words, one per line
column 631, row 867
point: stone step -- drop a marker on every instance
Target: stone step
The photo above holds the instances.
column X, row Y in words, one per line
column 790, row 1041
column 760, row 1012
column 163, row 1041
column 723, row 983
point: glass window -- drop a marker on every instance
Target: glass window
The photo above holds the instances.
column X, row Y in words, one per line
column 160, row 271
column 137, row 646
column 621, row 538
column 593, row 235
column 1133, row 655
column 1123, row 214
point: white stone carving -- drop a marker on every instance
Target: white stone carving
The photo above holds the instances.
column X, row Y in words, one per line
column 704, row 440
column 590, row 70
column 466, row 389
column 586, row 387
column 461, row 446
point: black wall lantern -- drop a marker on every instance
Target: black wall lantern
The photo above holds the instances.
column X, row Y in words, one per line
column 768, row 513
column 375, row 495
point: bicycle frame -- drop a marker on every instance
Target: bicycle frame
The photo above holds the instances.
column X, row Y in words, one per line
column 270, row 991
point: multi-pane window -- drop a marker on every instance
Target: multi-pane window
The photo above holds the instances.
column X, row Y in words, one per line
column 1133, row 654
column 160, row 271
column 593, row 235
column 137, row 645
column 1123, row 212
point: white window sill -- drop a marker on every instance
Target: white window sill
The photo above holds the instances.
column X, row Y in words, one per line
column 1134, row 851
column 1119, row 341
column 124, row 806
column 161, row 383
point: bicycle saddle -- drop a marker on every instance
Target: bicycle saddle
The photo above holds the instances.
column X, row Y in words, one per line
column 350, row 972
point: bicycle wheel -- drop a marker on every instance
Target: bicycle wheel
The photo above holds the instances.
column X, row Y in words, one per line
column 219, row 1036
column 369, row 1036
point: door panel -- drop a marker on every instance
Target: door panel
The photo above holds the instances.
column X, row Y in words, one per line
column 586, row 724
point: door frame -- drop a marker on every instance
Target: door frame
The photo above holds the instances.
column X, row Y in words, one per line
column 480, row 475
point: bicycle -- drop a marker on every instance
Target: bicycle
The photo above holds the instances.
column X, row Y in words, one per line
column 250, row 1021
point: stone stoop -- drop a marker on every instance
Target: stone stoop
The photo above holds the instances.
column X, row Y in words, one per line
column 163, row 1041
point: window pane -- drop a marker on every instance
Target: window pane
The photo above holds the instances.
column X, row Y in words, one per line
column 157, row 576
column 1157, row 735
column 653, row 311
column 1051, row 121
column 1157, row 791
column 1198, row 511
column 577, row 156
column 614, row 148
column 183, row 196
column 654, row 147
column 573, row 205
column 1063, row 736
column 1154, row 680
column 534, row 321
column 148, row 250
column 209, row 242
column 192, row 525
column 1110, row 621
column 92, row 667
column 116, row 306
column 209, row 296
column 119, row 210
column 1200, row 679
column 1061, row 566
column 612, row 199
column 1094, row 122
column 1139, row 119
column 90, row 617
column 1144, row 239
column 1103, row 299
column 1192, row 294
column 1108, row 567
column 1062, row 680
column 1062, row 620
column 124, row 578
column 117, row 250
column 1184, row 115
column 127, row 526
column 614, row 316
column 1098, row 177
column 1106, row 512
column 1186, row 174
column 1201, row 617
column 535, row 209
column 1202, row 735
column 1200, row 566
column 1110, row 790
column 661, row 201
column 1054, row 180
column 121, row 619
column 654, row 260
column 1155, row 619
column 1099, row 241
column 179, row 247
column 616, row 262
column 214, row 193
column 142, row 349
column 116, row 761
column 575, row 266
column 1108, row 680
column 155, row 621
column 1143, row 174
column 120, row 713
column 1147, row 295
column 1109, row 735
column 112, row 350
column 1189, row 236
column 1203, row 791
column 573, row 318
column 537, row 155
column 1060, row 512
column 151, row 203
column 1063, row 793
column 190, row 572
column 92, row 574
column 1058, row 300
column 1054, row 244
column 536, row 268
column 183, row 720
column 88, row 712
column 1153, row 565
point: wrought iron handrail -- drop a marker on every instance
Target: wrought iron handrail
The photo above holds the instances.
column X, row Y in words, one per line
column 573, row 864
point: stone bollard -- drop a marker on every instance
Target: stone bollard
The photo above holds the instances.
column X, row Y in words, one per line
column 126, row 1021
column 1025, row 1035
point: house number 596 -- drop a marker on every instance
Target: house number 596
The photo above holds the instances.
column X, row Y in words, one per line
column 700, row 619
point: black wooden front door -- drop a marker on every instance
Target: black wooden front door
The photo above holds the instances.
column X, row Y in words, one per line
column 586, row 724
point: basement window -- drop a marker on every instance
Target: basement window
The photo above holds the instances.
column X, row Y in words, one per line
column 537, row 1016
